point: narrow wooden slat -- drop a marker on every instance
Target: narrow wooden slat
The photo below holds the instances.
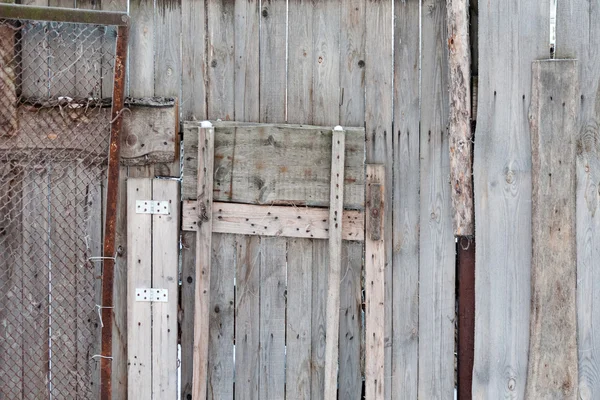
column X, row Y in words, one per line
column 165, row 271
column 246, row 58
column 167, row 48
column 437, row 245
column 193, row 60
column 553, row 327
column 220, row 350
column 320, row 260
column 203, row 261
column 141, row 49
column 336, row 208
column 406, row 210
column 272, row 318
column 139, row 275
column 34, row 59
column 502, row 186
column 374, row 283
column 306, row 222
column 247, row 308
column 577, row 36
column 298, row 330
column 186, row 313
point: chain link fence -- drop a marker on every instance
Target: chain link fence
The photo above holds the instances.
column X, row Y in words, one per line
column 56, row 81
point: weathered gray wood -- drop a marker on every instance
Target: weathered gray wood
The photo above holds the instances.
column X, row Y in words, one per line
column 320, row 261
column 203, row 261
column 299, row 311
column 139, row 275
column 502, row 185
column 247, row 308
column 8, row 80
column 141, row 49
column 193, row 60
column 553, row 323
column 220, row 350
column 272, row 318
column 437, row 246
column 246, row 58
column 165, row 272
column 406, row 210
column 167, row 60
column 34, row 59
column 332, row 313
column 186, row 312
column 459, row 127
column 577, row 36
column 374, row 284
column 277, row 164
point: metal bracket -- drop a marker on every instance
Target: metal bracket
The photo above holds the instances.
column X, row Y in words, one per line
column 152, row 207
column 155, row 295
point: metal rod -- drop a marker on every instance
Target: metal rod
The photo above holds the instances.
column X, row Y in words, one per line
column 112, row 196
column 465, row 253
column 57, row 14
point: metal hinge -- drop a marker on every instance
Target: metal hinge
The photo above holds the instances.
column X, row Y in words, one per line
column 156, row 295
column 152, row 207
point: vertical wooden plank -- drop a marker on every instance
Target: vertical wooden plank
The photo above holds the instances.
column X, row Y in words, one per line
column 374, row 282
column 203, row 260
column 141, row 49
column 193, row 60
column 502, row 179
column 298, row 331
column 272, row 318
column 186, row 312
column 332, row 313
column 11, row 282
column 34, row 58
column 62, row 71
column 577, row 36
column 247, row 308
column 35, row 284
column 406, row 210
column 139, row 275
column 220, row 88
column 246, row 58
column 165, row 273
column 378, row 126
column 167, row 60
column 320, row 255
column 437, row 246
column 8, row 80
column 220, row 350
column 553, row 326
column 273, row 61
column 62, row 280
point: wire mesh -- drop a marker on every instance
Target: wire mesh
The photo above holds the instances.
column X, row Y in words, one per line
column 56, row 83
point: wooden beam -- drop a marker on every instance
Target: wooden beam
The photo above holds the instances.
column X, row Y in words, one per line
column 285, row 221
column 375, row 282
column 336, row 209
column 553, row 323
column 203, row 259
column 459, row 126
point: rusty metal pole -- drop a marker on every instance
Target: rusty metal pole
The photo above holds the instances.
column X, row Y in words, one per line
column 465, row 249
column 112, row 195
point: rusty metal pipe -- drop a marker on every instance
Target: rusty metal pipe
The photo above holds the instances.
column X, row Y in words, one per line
column 58, row 14
column 112, row 196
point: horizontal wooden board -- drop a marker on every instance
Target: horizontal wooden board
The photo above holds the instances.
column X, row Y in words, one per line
column 276, row 164
column 287, row 221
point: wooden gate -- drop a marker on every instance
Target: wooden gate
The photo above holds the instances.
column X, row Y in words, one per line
column 280, row 216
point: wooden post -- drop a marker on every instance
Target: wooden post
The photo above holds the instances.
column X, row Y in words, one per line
column 459, row 67
column 206, row 135
column 374, row 282
column 552, row 371
column 336, row 210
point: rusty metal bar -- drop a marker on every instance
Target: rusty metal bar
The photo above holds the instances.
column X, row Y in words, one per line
column 465, row 254
column 111, row 213
column 57, row 14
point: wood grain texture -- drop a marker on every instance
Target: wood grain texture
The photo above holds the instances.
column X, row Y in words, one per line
column 459, row 125
column 165, row 272
column 299, row 222
column 193, row 60
column 247, row 325
column 406, row 210
column 352, row 64
column 436, row 239
column 374, row 285
column 277, row 164
column 221, row 329
column 378, row 122
column 246, row 60
column 577, row 36
column 142, row 31
column 139, row 275
column 272, row 318
column 320, row 254
column 186, row 311
column 299, row 312
column 203, row 262
column 553, row 329
column 167, row 48
column 502, row 184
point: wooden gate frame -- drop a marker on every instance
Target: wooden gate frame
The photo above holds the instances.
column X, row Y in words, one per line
column 335, row 224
